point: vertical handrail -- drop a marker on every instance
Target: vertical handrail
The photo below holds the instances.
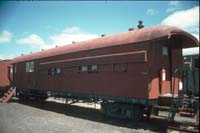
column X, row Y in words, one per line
column 175, row 71
column 172, row 100
column 172, row 108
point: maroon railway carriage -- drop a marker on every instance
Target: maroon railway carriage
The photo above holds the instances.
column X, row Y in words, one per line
column 4, row 81
column 123, row 70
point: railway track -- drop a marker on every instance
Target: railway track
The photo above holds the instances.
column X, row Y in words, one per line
column 184, row 127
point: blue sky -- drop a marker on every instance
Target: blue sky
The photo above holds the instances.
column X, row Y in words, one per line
column 31, row 26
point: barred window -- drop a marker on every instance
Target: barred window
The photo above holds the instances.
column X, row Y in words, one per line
column 54, row 71
column 30, row 66
column 120, row 67
column 58, row 71
column 92, row 68
column 84, row 68
column 88, row 68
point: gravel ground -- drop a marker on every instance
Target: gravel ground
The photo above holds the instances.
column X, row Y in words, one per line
column 50, row 116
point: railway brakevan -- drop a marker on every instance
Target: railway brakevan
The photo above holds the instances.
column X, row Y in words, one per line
column 127, row 72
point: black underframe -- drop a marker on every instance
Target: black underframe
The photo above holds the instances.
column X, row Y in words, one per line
column 83, row 96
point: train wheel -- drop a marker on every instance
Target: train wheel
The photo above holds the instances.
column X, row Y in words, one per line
column 123, row 111
column 135, row 113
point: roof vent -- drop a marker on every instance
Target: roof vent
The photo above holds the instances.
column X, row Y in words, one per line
column 130, row 29
column 56, row 46
column 103, row 35
column 140, row 25
column 30, row 52
column 22, row 54
column 73, row 42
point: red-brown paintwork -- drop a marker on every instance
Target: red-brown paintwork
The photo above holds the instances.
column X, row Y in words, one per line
column 139, row 50
column 4, row 73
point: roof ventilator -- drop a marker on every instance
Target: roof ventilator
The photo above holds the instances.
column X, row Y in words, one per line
column 103, row 35
column 130, row 29
column 140, row 25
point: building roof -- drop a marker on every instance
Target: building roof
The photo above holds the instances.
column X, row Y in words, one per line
column 132, row 36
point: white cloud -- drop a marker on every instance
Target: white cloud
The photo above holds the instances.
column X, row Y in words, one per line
column 70, row 34
column 185, row 19
column 172, row 6
column 63, row 38
column 32, row 40
column 6, row 56
column 67, row 36
column 5, row 37
column 152, row 12
column 73, row 29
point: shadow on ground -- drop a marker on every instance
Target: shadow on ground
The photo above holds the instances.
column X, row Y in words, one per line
column 155, row 125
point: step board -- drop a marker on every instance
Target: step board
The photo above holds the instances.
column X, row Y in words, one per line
column 187, row 114
column 162, row 108
column 8, row 95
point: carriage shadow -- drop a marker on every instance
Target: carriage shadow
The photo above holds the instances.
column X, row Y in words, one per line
column 92, row 114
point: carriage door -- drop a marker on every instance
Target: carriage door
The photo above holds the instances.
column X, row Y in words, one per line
column 30, row 80
column 165, row 63
column 176, row 63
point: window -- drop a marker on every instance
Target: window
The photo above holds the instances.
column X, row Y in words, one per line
column 15, row 68
column 88, row 68
column 165, row 50
column 84, row 68
column 92, row 68
column 11, row 69
column 58, row 71
column 30, row 66
column 54, row 71
column 120, row 67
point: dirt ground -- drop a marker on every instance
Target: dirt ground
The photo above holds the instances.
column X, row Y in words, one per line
column 50, row 116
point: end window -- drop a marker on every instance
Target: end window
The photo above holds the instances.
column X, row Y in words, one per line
column 165, row 50
column 10, row 69
column 30, row 66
